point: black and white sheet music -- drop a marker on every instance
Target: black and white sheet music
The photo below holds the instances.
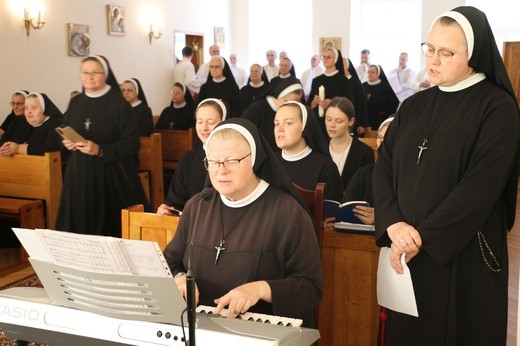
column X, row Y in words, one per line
column 94, row 253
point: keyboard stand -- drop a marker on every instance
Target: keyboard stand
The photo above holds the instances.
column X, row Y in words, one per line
column 124, row 296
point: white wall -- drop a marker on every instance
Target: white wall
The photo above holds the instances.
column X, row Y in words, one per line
column 40, row 62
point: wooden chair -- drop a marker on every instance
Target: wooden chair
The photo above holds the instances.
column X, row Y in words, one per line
column 150, row 162
column 369, row 133
column 314, row 201
column 371, row 142
column 136, row 224
column 174, row 144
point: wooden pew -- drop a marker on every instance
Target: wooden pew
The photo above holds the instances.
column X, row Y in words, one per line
column 135, row 224
column 174, row 144
column 371, row 142
column 150, row 163
column 33, row 177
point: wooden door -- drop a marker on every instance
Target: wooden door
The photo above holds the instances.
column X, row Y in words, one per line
column 511, row 56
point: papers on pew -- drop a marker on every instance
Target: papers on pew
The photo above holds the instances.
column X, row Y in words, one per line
column 93, row 253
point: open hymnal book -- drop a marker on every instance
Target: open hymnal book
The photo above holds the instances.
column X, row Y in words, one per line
column 94, row 253
column 342, row 212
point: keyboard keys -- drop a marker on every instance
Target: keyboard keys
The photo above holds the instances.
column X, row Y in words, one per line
column 252, row 316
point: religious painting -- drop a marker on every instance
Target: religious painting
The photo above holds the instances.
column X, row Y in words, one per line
column 220, row 38
column 329, row 42
column 78, row 38
column 116, row 20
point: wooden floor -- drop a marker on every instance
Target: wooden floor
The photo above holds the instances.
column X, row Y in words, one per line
column 514, row 265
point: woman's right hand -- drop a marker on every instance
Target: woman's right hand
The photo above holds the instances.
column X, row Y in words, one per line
column 164, row 210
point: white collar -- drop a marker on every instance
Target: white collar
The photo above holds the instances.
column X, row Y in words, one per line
column 253, row 196
column 256, row 85
column 297, row 157
column 47, row 117
column 179, row 106
column 219, row 80
column 330, row 74
column 136, row 103
column 99, row 93
column 466, row 83
column 283, row 76
column 374, row 83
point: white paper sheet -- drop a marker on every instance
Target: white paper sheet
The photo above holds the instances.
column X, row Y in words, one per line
column 94, row 253
column 395, row 291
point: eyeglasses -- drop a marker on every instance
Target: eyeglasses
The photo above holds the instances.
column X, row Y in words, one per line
column 381, row 138
column 230, row 165
column 92, row 74
column 444, row 55
column 17, row 104
column 127, row 90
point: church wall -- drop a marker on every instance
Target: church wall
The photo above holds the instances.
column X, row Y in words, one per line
column 41, row 63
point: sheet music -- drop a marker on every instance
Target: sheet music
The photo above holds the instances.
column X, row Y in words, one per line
column 94, row 253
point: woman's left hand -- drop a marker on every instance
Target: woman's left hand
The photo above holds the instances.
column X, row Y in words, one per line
column 9, row 149
column 241, row 298
column 365, row 214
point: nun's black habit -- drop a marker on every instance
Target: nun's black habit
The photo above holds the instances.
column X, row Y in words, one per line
column 460, row 196
column 313, row 164
column 143, row 112
column 44, row 137
column 96, row 188
column 225, row 89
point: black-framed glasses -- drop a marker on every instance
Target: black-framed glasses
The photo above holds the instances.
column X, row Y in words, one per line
column 429, row 51
column 230, row 165
column 12, row 104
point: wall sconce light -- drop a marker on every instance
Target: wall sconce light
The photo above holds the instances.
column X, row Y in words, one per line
column 155, row 32
column 29, row 20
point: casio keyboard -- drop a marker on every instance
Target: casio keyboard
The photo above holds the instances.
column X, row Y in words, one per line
column 26, row 314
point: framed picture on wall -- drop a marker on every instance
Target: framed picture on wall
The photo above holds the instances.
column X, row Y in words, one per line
column 332, row 42
column 78, row 38
column 220, row 38
column 116, row 20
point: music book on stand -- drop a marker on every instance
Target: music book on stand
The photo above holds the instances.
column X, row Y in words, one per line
column 119, row 278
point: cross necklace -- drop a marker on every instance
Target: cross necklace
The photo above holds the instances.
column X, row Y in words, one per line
column 423, row 146
column 220, row 247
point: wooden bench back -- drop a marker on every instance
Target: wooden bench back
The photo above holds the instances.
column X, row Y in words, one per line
column 174, row 144
column 150, row 160
column 33, row 177
column 314, row 201
column 136, row 224
column 371, row 142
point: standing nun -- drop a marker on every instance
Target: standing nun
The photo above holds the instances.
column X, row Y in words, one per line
column 445, row 185
column 101, row 176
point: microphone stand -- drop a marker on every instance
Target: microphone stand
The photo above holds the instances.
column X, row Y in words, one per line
column 190, row 278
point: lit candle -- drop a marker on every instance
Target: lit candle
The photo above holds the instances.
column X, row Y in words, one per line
column 321, row 94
